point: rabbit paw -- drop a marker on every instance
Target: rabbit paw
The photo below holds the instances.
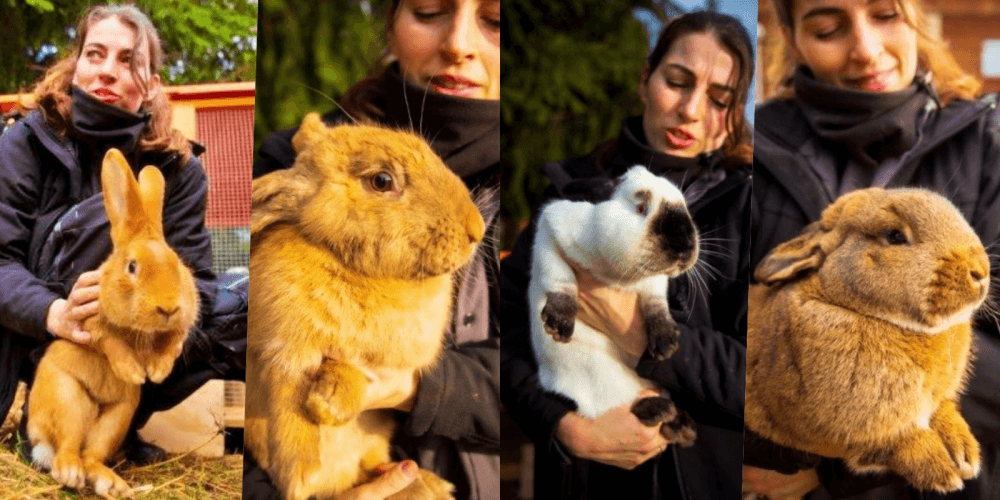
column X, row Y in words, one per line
column 67, row 470
column 964, row 451
column 427, row 486
column 919, row 457
column 336, row 394
column 559, row 315
column 106, row 483
column 127, row 368
column 158, row 367
column 681, row 430
column 654, row 410
column 662, row 334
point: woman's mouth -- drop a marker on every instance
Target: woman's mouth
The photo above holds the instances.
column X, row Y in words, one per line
column 876, row 81
column 106, row 96
column 679, row 138
column 455, row 86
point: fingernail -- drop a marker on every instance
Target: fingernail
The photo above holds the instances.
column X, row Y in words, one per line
column 409, row 468
column 382, row 469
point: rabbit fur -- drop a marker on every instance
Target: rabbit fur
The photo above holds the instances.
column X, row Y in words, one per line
column 860, row 338
column 83, row 397
column 352, row 262
column 636, row 240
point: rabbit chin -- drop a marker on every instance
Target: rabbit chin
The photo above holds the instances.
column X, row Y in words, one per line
column 940, row 323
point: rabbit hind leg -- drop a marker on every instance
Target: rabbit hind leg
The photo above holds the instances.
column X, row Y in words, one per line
column 103, row 440
column 59, row 413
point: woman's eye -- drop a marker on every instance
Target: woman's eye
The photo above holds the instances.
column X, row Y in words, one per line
column 492, row 22
column 677, row 84
column 381, row 182
column 886, row 16
column 427, row 15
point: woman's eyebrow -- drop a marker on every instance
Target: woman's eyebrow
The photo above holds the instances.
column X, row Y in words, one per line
column 683, row 69
column 723, row 87
column 822, row 11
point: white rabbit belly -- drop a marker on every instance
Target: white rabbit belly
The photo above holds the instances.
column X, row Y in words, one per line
column 589, row 369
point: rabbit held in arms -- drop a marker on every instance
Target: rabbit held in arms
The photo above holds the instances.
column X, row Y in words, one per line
column 353, row 253
column 636, row 240
column 860, row 337
column 83, row 397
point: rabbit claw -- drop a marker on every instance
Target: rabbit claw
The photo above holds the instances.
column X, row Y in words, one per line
column 964, row 451
column 681, row 430
column 67, row 470
column 662, row 335
column 106, row 483
column 559, row 315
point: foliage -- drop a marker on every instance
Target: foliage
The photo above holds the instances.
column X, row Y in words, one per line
column 570, row 71
column 203, row 40
column 310, row 54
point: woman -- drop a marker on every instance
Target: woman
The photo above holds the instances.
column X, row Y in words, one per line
column 694, row 89
column 54, row 234
column 871, row 100
column 445, row 82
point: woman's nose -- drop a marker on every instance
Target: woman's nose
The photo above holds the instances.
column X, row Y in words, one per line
column 459, row 43
column 867, row 43
column 693, row 106
column 107, row 70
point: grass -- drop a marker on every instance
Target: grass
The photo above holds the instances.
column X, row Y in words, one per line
column 181, row 477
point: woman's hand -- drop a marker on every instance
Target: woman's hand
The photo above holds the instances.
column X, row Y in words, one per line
column 390, row 388
column 616, row 438
column 611, row 311
column 394, row 478
column 777, row 486
column 66, row 316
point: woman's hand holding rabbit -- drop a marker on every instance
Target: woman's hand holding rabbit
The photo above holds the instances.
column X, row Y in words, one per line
column 777, row 486
column 615, row 438
column 66, row 316
column 394, row 478
column 390, row 388
column 612, row 311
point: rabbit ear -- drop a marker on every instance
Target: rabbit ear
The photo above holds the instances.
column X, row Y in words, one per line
column 121, row 196
column 278, row 197
column 310, row 132
column 151, row 185
column 800, row 254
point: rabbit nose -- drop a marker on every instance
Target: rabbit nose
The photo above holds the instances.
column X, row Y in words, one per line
column 976, row 274
column 167, row 313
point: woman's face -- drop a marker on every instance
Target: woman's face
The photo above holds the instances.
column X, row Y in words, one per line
column 103, row 67
column 450, row 46
column 856, row 44
column 686, row 97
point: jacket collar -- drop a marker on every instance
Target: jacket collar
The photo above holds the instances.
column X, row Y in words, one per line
column 784, row 146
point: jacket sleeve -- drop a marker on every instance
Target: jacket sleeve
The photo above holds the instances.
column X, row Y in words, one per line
column 184, row 212
column 24, row 299
column 536, row 411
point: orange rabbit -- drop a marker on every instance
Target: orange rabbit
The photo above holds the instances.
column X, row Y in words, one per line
column 83, row 397
column 351, row 267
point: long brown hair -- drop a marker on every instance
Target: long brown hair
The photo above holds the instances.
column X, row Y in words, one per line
column 52, row 93
column 359, row 100
column 949, row 79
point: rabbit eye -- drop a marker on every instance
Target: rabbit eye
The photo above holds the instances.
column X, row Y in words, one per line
column 131, row 267
column 381, row 182
column 895, row 237
column 642, row 209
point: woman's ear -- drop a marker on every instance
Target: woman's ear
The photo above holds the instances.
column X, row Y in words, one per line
column 644, row 84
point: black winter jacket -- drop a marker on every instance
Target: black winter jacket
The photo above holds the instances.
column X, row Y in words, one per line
column 454, row 427
column 42, row 183
column 957, row 155
column 706, row 376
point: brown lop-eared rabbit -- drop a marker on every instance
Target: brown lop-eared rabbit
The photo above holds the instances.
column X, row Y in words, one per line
column 351, row 266
column 860, row 339
column 83, row 397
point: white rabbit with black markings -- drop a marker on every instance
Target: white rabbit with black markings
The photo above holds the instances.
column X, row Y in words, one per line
column 636, row 240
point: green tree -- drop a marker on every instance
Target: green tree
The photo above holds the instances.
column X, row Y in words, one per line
column 203, row 40
column 310, row 54
column 570, row 72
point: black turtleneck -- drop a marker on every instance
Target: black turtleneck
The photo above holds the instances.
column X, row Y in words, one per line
column 97, row 127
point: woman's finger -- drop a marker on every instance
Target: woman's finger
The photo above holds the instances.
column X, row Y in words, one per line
column 387, row 484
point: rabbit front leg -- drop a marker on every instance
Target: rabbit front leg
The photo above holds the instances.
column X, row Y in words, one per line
column 918, row 455
column 166, row 350
column 427, row 486
column 553, row 276
column 103, row 440
column 336, row 393
column 957, row 439
column 662, row 333
column 121, row 357
column 293, row 446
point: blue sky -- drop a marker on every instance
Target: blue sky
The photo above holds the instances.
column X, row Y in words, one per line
column 744, row 10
